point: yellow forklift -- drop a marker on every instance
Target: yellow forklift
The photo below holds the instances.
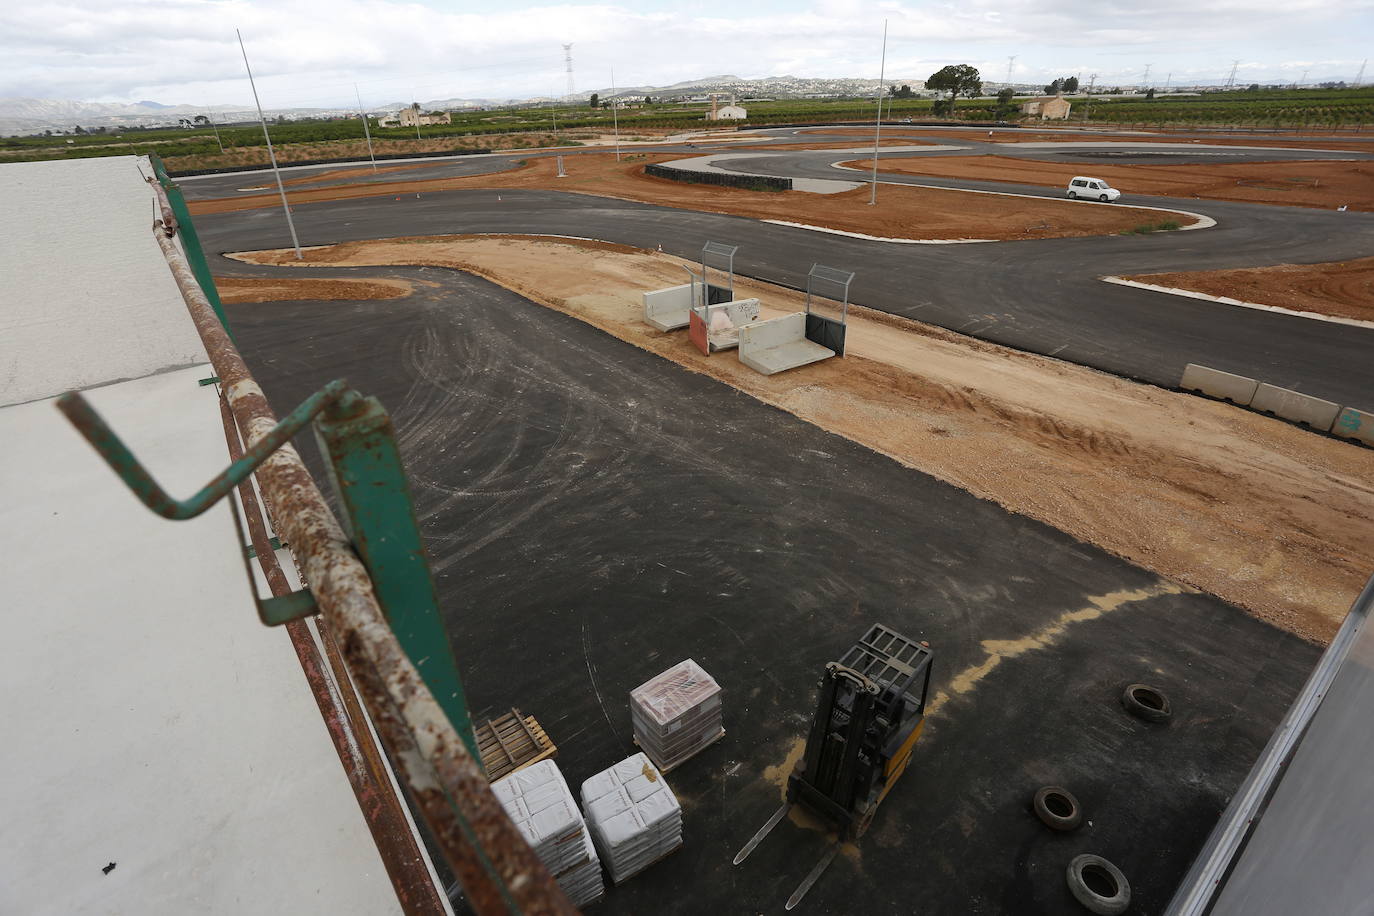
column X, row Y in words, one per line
column 869, row 713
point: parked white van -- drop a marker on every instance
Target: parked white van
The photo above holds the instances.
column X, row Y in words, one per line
column 1093, row 189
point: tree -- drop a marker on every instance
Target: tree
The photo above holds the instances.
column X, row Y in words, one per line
column 957, row 80
column 1150, row 93
column 79, row 129
column 595, row 99
column 1071, row 84
column 1004, row 102
column 202, row 120
column 1055, row 87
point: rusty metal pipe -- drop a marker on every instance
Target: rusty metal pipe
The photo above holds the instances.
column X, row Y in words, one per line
column 391, row 833
column 498, row 870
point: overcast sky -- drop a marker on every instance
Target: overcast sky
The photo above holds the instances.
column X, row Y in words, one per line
column 309, row 53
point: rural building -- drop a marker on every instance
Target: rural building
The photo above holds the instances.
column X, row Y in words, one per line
column 1056, row 108
column 730, row 113
column 411, row 117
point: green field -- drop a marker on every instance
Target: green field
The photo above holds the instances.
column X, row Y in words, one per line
column 1325, row 109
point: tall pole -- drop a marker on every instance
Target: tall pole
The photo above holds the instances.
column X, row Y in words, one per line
column 415, row 107
column 615, row 120
column 1146, row 80
column 878, row 127
column 215, row 128
column 1010, row 61
column 366, row 131
column 281, row 189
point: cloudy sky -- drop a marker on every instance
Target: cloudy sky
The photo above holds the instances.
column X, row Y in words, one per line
column 309, row 53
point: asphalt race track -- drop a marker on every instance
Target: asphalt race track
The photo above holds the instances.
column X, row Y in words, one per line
column 1042, row 296
column 594, row 514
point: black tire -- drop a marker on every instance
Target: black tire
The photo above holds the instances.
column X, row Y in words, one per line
column 1057, row 808
column 1103, row 198
column 1073, row 195
column 1098, row 885
column 1146, row 702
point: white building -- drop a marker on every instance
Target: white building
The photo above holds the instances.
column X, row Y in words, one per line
column 729, row 113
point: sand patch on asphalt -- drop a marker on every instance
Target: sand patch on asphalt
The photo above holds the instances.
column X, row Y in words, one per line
column 234, row 290
column 903, row 212
column 1344, row 289
column 1301, row 184
column 1260, row 513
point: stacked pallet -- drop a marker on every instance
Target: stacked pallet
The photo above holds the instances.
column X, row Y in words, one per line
column 634, row 817
column 511, row 742
column 676, row 714
column 543, row 808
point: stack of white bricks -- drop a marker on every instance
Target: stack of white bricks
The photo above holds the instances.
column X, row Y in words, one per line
column 635, row 819
column 676, row 714
column 538, row 800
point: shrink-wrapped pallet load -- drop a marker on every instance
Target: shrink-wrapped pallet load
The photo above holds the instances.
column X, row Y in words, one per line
column 676, row 714
column 634, row 817
column 538, row 800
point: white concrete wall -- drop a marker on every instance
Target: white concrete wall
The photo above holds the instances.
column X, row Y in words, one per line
column 85, row 294
column 672, row 299
column 772, row 333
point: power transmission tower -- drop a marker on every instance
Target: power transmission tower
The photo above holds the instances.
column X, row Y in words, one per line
column 1012, row 59
column 1231, row 80
column 1145, row 82
column 1303, row 82
column 1092, row 81
column 567, row 62
column 1359, row 77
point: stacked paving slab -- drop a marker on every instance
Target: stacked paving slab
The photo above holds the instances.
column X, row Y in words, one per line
column 538, row 800
column 634, row 817
column 676, row 714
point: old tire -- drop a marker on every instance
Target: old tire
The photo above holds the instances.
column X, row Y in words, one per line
column 1098, row 885
column 1146, row 702
column 1057, row 808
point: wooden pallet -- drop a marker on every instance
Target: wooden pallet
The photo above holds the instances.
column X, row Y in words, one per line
column 511, row 742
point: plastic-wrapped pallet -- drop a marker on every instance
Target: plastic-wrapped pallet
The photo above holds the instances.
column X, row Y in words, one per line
column 635, row 818
column 542, row 807
column 676, row 714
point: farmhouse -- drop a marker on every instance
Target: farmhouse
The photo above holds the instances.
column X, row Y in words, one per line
column 1056, row 108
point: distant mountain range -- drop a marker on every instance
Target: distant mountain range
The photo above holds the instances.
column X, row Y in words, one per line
column 30, row 116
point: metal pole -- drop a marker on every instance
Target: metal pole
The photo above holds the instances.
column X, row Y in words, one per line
column 281, row 189
column 215, row 128
column 615, row 120
column 366, row 132
column 878, row 128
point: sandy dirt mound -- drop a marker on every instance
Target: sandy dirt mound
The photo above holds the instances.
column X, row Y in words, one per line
column 1301, row 184
column 1263, row 514
column 281, row 289
column 1344, row 289
column 903, row 213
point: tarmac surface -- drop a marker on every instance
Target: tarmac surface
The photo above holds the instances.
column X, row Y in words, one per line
column 1042, row 296
column 595, row 514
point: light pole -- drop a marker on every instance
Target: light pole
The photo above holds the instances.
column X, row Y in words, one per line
column 272, row 156
column 878, row 127
column 367, row 132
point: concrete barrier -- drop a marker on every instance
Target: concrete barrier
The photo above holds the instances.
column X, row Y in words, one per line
column 779, row 344
column 1354, row 424
column 668, row 309
column 1235, row 388
column 1295, row 406
column 716, row 327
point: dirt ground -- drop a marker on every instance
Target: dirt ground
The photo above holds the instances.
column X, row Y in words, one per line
column 903, row 213
column 1260, row 513
column 1302, row 184
column 1052, row 135
column 283, row 289
column 1342, row 288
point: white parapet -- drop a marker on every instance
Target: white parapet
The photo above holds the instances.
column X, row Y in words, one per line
column 1295, row 406
column 668, row 309
column 1235, row 388
column 779, row 344
column 1355, row 424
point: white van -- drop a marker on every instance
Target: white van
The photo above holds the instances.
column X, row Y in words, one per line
column 1092, row 188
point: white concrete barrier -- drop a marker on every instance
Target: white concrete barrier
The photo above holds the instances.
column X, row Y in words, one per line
column 668, row 309
column 1293, row 405
column 779, row 344
column 716, row 327
column 1354, row 424
column 1235, row 388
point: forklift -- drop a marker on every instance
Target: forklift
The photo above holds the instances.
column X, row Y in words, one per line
column 869, row 713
